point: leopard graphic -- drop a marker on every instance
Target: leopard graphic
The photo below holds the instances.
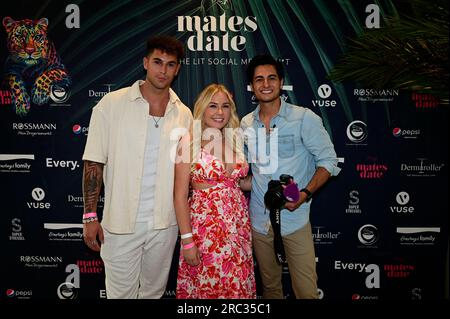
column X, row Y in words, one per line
column 33, row 67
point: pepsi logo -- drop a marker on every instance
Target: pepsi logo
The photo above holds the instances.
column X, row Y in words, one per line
column 397, row 131
column 10, row 292
column 76, row 129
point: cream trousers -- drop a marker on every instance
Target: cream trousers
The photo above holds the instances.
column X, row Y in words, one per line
column 137, row 265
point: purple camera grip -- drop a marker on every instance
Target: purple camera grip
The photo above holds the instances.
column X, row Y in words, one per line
column 291, row 192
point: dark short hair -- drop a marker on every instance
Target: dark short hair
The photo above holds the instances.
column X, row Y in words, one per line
column 167, row 44
column 263, row 59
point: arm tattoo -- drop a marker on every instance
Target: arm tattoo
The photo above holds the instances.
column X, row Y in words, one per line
column 92, row 184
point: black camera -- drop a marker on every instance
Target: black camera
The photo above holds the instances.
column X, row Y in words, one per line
column 274, row 198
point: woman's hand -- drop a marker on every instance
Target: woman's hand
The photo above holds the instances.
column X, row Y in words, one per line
column 192, row 255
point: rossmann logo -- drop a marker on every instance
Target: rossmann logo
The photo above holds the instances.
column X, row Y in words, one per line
column 34, row 129
column 227, row 32
column 375, row 95
column 40, row 259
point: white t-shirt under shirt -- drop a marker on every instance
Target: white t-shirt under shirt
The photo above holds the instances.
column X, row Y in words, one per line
column 147, row 196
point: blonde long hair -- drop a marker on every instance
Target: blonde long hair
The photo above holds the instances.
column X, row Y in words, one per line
column 232, row 128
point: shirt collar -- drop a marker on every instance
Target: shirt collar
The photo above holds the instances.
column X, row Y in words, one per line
column 282, row 112
column 135, row 93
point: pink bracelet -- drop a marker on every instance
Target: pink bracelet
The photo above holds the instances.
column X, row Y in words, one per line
column 188, row 246
column 89, row 215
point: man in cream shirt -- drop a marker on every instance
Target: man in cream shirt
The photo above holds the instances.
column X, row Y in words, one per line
column 129, row 148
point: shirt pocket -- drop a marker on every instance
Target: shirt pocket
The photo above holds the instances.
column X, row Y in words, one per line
column 286, row 146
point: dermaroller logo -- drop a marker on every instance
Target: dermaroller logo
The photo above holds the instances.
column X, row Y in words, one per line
column 422, row 167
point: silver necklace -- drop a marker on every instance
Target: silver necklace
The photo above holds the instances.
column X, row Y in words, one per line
column 156, row 121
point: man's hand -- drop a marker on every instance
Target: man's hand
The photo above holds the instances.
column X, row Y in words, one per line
column 92, row 231
column 294, row 205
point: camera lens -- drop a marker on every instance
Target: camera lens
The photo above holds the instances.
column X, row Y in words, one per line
column 274, row 197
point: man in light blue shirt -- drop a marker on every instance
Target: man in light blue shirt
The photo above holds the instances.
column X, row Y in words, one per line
column 299, row 146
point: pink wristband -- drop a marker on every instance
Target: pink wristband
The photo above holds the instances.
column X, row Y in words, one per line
column 89, row 215
column 188, row 246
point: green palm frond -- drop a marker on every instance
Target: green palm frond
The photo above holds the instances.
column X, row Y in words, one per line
column 409, row 52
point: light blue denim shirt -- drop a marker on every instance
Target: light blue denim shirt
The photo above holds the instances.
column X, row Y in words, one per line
column 303, row 145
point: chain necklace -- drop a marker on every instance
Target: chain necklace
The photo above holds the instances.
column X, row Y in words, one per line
column 156, row 121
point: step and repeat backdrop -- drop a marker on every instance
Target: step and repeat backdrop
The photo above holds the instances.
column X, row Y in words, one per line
column 380, row 228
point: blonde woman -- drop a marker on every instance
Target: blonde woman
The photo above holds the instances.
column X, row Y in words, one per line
column 216, row 253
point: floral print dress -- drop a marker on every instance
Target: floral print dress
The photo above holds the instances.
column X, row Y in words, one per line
column 222, row 232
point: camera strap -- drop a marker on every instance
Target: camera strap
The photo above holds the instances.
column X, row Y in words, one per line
column 275, row 220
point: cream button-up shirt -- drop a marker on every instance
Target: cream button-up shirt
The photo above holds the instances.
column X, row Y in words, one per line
column 117, row 139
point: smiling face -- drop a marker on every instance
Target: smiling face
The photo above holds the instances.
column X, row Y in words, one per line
column 218, row 111
column 266, row 83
